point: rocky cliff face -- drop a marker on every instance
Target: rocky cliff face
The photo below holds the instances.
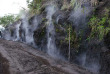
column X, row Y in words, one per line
column 50, row 29
column 105, row 50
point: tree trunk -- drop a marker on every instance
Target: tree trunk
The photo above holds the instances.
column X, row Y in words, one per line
column 69, row 46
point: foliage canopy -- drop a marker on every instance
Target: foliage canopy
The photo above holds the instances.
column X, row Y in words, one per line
column 8, row 19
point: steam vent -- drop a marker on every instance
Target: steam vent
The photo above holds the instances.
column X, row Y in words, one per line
column 55, row 37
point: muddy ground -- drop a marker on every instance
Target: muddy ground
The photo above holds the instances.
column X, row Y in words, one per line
column 19, row 58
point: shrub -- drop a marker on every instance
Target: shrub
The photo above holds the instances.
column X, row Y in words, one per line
column 8, row 19
column 34, row 6
column 99, row 26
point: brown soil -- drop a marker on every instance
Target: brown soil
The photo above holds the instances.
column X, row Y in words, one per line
column 4, row 65
column 23, row 59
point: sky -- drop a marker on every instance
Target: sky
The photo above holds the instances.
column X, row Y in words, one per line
column 11, row 6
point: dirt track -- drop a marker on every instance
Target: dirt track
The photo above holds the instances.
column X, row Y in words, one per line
column 18, row 58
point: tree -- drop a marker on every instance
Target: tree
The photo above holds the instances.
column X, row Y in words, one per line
column 72, row 40
column 34, row 6
column 8, row 19
column 69, row 45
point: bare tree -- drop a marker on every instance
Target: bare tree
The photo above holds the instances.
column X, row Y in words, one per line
column 69, row 52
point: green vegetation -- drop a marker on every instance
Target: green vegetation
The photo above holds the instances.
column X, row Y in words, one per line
column 8, row 19
column 99, row 26
column 34, row 6
column 72, row 37
column 72, row 2
column 67, row 5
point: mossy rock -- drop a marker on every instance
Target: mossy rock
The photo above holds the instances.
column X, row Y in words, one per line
column 40, row 37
